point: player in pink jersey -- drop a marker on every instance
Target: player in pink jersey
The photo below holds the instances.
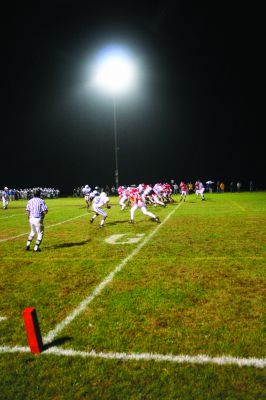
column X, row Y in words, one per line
column 138, row 202
column 183, row 191
column 123, row 197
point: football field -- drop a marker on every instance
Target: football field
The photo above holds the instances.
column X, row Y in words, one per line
column 145, row 311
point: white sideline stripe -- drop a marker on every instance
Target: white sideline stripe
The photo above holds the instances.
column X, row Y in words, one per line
column 82, row 306
column 49, row 226
column 180, row 359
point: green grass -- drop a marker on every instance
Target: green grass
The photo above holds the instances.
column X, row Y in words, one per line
column 196, row 287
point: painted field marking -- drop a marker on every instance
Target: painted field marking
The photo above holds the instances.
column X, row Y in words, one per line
column 237, row 205
column 2, row 318
column 206, row 258
column 46, row 227
column 179, row 359
column 10, row 216
column 114, row 239
column 83, row 305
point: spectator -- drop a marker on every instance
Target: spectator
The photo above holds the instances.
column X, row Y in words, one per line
column 107, row 190
column 175, row 187
column 232, row 187
column 222, row 186
column 5, row 198
column 251, row 186
column 238, row 186
column 190, row 187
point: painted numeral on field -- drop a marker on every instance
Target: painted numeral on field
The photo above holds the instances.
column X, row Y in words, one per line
column 116, row 239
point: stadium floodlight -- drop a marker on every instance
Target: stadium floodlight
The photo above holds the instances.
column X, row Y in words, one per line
column 115, row 70
column 115, row 73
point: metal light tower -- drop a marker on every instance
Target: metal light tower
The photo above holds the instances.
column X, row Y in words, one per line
column 116, row 146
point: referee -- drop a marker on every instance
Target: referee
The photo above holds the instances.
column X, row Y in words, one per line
column 36, row 210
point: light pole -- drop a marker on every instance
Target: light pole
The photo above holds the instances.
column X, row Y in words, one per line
column 116, row 145
column 115, row 73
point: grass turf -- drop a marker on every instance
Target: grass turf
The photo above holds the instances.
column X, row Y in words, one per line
column 196, row 287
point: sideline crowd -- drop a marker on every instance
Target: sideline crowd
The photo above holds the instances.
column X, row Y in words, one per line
column 26, row 194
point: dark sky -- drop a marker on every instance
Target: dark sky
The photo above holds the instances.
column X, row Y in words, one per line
column 198, row 111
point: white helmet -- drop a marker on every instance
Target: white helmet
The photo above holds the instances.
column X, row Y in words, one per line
column 103, row 194
column 5, row 188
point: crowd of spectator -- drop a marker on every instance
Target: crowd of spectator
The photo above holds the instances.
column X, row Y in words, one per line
column 221, row 187
column 26, row 194
column 218, row 187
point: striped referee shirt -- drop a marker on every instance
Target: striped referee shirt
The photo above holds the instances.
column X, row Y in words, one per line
column 36, row 207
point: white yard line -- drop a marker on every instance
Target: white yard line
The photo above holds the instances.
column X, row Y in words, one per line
column 198, row 359
column 10, row 216
column 218, row 258
column 179, row 359
column 2, row 318
column 46, row 227
column 237, row 205
column 83, row 305
column 14, row 349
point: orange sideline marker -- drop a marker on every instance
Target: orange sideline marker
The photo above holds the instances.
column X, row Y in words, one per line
column 33, row 330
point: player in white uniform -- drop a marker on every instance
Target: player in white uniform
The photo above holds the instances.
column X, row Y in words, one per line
column 137, row 202
column 94, row 193
column 157, row 188
column 199, row 189
column 86, row 192
column 5, row 198
column 100, row 200
column 156, row 200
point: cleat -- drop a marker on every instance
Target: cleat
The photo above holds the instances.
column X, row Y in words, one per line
column 101, row 226
column 37, row 251
column 131, row 221
column 91, row 220
column 27, row 248
column 156, row 219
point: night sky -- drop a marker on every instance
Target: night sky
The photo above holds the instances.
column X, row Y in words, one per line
column 198, row 110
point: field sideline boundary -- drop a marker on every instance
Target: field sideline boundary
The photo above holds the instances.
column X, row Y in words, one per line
column 84, row 303
column 178, row 359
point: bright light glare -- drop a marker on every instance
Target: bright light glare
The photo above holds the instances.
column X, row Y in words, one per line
column 115, row 71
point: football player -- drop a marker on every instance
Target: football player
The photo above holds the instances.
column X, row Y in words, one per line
column 100, row 200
